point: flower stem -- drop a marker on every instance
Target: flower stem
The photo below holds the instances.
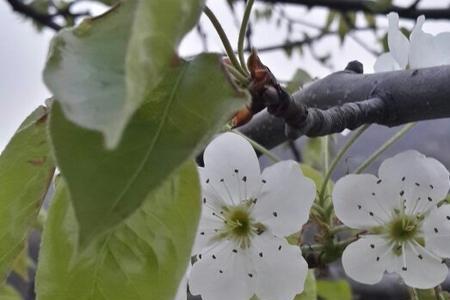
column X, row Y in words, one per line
column 338, row 158
column 224, row 39
column 242, row 31
column 259, row 147
column 383, row 147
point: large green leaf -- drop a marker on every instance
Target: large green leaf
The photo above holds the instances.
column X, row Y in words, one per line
column 85, row 71
column 7, row 292
column 26, row 169
column 178, row 118
column 158, row 29
column 102, row 70
column 143, row 258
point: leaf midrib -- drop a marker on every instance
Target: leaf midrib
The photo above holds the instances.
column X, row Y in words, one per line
column 165, row 115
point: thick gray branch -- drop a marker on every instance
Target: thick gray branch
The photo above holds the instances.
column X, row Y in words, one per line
column 369, row 6
column 389, row 99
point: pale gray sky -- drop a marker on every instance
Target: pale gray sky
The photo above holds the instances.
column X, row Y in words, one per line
column 23, row 51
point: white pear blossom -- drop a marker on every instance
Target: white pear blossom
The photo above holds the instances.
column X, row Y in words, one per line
column 420, row 51
column 406, row 231
column 240, row 248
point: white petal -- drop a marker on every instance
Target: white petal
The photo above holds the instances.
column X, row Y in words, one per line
column 423, row 269
column 281, row 269
column 442, row 43
column 232, row 167
column 207, row 230
column 397, row 41
column 422, row 181
column 213, row 194
column 285, row 199
column 366, row 259
column 423, row 51
column 386, row 63
column 222, row 273
column 436, row 228
column 361, row 201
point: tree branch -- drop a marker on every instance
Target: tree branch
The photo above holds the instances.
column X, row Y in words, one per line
column 26, row 10
column 348, row 99
column 368, row 6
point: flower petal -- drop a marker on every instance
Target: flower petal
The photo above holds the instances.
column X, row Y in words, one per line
column 397, row 41
column 436, row 228
column 366, row 259
column 386, row 63
column 423, row 51
column 207, row 230
column 232, row 168
column 361, row 202
column 422, row 181
column 423, row 269
column 442, row 43
column 281, row 269
column 223, row 272
column 285, row 199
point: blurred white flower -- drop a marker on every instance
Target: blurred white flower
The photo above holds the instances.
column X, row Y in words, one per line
column 420, row 51
column 406, row 232
column 241, row 249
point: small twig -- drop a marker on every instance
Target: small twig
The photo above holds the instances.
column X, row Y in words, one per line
column 383, row 147
column 27, row 10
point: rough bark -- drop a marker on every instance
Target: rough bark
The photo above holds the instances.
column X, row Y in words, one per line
column 406, row 96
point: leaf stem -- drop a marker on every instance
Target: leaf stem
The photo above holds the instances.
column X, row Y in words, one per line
column 259, row 147
column 242, row 31
column 224, row 39
column 383, row 147
column 244, row 81
column 338, row 158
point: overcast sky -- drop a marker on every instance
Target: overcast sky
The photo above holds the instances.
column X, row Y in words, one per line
column 23, row 51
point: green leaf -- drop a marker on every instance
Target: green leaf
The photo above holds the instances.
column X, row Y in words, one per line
column 85, row 71
column 158, row 28
column 334, row 290
column 310, row 291
column 143, row 258
column 102, row 70
column 7, row 292
column 186, row 109
column 332, row 14
column 26, row 170
column 298, row 81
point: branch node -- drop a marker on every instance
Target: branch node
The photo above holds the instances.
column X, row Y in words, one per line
column 355, row 66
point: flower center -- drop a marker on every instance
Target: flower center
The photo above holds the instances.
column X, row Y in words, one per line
column 404, row 228
column 239, row 224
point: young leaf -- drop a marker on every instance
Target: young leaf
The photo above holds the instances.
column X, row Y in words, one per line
column 102, row 70
column 143, row 258
column 179, row 117
column 310, row 291
column 26, row 170
column 334, row 290
column 7, row 292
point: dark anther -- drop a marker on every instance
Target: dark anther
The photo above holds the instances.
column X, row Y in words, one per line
column 260, row 254
column 402, row 193
column 372, row 246
column 420, row 256
column 213, row 256
column 371, row 214
column 378, row 181
column 429, row 199
column 279, row 248
column 436, row 230
column 234, row 250
column 403, row 178
column 244, row 179
column 404, row 268
column 275, row 214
